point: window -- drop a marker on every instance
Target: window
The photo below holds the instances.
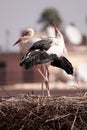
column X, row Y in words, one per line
column 2, row 73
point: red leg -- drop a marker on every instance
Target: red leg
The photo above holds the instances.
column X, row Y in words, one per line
column 47, row 72
column 44, row 73
column 47, row 82
column 47, row 86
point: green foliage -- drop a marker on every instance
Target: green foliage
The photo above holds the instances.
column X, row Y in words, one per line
column 49, row 16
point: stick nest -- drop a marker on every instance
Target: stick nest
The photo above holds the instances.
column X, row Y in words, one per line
column 27, row 112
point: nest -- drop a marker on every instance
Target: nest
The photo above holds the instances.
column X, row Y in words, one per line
column 43, row 113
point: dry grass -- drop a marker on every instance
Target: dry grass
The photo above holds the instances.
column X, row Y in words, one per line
column 27, row 112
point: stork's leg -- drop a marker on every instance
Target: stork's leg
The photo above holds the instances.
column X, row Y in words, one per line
column 45, row 77
column 42, row 84
column 47, row 82
column 47, row 86
column 46, row 74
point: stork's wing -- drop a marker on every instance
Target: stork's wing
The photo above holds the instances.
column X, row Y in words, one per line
column 64, row 64
column 41, row 45
column 36, row 57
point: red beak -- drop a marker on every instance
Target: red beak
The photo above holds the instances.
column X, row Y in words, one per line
column 56, row 28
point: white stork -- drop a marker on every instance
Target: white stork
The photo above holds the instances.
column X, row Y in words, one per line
column 47, row 52
column 27, row 40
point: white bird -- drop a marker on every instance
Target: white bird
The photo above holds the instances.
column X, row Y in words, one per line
column 27, row 39
column 50, row 52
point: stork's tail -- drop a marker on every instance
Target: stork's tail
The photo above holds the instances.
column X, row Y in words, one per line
column 64, row 64
column 67, row 66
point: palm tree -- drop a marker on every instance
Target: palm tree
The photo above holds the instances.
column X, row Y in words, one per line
column 49, row 16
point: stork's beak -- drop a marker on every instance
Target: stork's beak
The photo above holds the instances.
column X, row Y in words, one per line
column 15, row 44
column 56, row 29
column 18, row 42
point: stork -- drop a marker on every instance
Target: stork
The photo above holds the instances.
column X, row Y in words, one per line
column 27, row 40
column 50, row 53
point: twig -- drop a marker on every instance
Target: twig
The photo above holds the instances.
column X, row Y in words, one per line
column 31, row 113
column 73, row 124
column 72, row 127
column 24, row 118
column 58, row 117
column 81, row 119
column 21, row 127
column 36, row 115
column 2, row 113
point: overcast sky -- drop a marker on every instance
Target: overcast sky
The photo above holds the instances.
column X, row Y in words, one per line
column 16, row 15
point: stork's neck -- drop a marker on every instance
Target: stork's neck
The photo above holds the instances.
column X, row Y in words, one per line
column 32, row 35
column 60, row 39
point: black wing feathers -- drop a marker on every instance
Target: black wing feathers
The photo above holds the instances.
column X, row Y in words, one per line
column 36, row 57
column 42, row 45
column 64, row 64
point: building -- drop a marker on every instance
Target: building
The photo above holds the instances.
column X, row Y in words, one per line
column 12, row 73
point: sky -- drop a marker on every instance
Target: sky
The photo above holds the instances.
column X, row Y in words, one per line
column 16, row 15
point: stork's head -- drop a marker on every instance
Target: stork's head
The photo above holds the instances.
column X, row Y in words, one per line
column 57, row 31
column 27, row 34
column 30, row 32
